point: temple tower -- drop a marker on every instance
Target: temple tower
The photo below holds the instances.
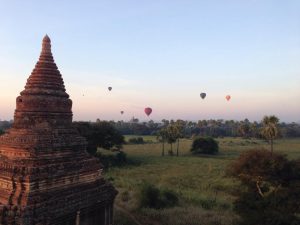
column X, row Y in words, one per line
column 46, row 175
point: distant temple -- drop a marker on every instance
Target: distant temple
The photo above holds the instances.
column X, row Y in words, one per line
column 46, row 175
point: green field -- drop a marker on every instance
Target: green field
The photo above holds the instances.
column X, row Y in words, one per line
column 205, row 193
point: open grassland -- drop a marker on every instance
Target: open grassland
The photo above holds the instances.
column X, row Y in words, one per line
column 205, row 193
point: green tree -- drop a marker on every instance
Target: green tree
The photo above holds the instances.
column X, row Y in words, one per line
column 244, row 130
column 101, row 134
column 254, row 130
column 172, row 133
column 180, row 125
column 165, row 122
column 270, row 129
column 162, row 137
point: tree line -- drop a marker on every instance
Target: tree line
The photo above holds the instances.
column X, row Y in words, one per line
column 212, row 128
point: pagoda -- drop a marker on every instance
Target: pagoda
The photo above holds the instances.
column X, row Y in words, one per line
column 46, row 175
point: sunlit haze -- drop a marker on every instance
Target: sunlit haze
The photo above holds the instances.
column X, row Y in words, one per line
column 159, row 54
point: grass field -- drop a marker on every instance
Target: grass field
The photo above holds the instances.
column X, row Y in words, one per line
column 205, row 193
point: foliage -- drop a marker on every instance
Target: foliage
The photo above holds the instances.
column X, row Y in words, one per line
column 170, row 133
column 179, row 124
column 270, row 129
column 291, row 130
column 153, row 197
column 101, row 134
column 136, row 140
column 272, row 191
column 4, row 124
column 162, row 137
column 213, row 128
column 112, row 159
column 244, row 129
column 1, row 132
column 205, row 145
column 134, row 127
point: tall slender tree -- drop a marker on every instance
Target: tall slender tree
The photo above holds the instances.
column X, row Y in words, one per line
column 171, row 135
column 244, row 129
column 270, row 129
column 162, row 136
column 179, row 124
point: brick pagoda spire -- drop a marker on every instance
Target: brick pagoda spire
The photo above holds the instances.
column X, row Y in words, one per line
column 46, row 175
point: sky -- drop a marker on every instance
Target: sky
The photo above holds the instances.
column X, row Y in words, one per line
column 160, row 54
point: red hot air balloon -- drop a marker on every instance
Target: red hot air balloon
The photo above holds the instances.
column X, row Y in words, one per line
column 148, row 111
column 109, row 88
column 228, row 97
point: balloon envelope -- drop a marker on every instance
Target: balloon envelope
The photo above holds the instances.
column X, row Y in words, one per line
column 122, row 112
column 109, row 88
column 148, row 111
column 203, row 95
column 228, row 97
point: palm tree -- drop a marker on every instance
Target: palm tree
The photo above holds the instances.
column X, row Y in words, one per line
column 171, row 135
column 254, row 129
column 162, row 136
column 244, row 129
column 179, row 124
column 270, row 129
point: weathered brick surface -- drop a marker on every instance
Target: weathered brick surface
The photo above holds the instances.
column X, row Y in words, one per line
column 46, row 175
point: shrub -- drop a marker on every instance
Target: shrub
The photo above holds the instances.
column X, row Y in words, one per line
column 112, row 159
column 205, row 145
column 121, row 158
column 136, row 140
column 153, row 197
column 125, row 196
column 149, row 196
column 168, row 198
column 272, row 188
column 208, row 203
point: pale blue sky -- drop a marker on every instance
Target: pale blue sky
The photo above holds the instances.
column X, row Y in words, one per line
column 160, row 54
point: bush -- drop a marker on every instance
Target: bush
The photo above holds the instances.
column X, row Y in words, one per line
column 153, row 197
column 112, row 159
column 272, row 192
column 168, row 198
column 125, row 196
column 136, row 140
column 205, row 145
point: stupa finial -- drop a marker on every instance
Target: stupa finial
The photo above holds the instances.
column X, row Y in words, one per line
column 46, row 38
column 46, row 45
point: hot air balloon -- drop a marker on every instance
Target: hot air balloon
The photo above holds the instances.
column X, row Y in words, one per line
column 203, row 95
column 148, row 111
column 122, row 112
column 228, row 97
column 109, row 88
